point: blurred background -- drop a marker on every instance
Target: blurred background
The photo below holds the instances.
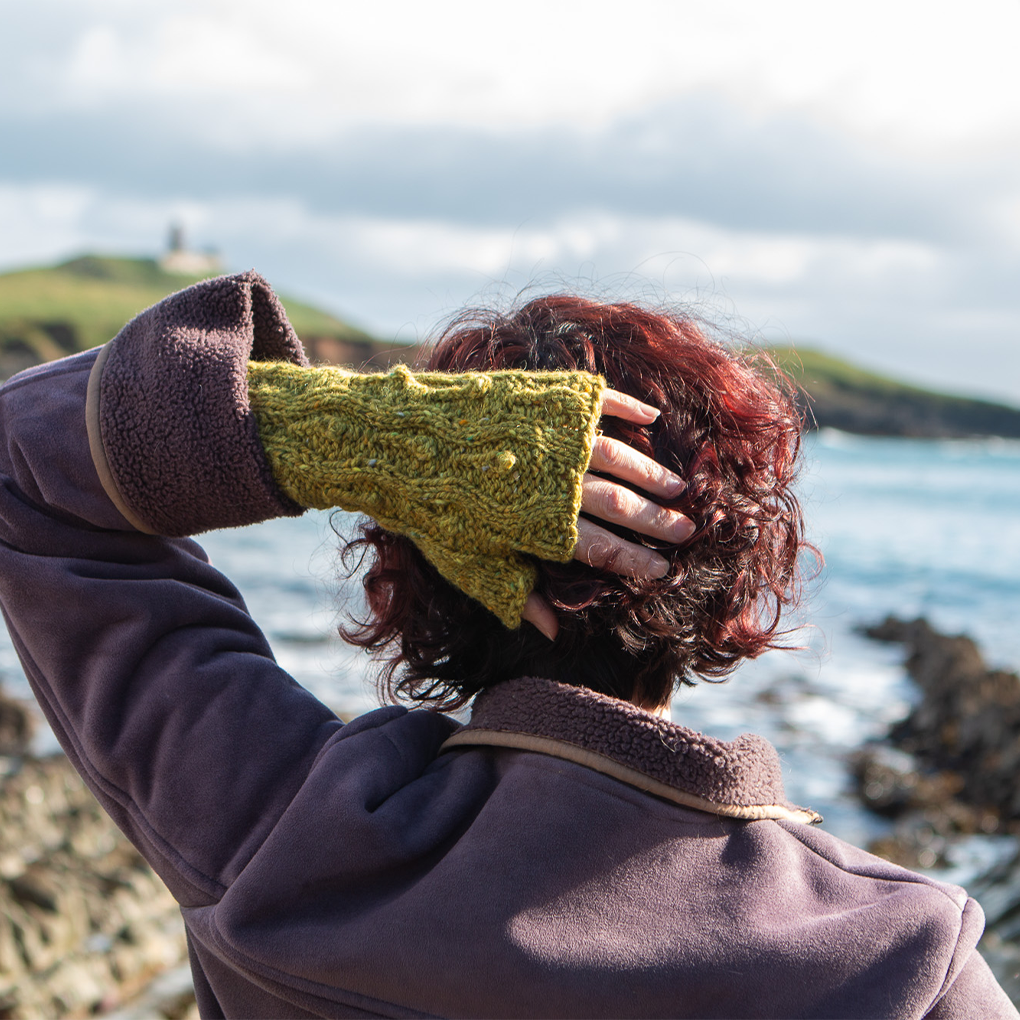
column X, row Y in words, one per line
column 839, row 183
column 843, row 174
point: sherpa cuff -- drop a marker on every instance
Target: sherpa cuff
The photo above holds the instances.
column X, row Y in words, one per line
column 476, row 469
column 173, row 439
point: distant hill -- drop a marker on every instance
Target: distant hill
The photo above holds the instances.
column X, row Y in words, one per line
column 48, row 312
column 838, row 394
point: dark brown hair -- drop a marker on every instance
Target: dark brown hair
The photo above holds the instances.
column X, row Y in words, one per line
column 730, row 429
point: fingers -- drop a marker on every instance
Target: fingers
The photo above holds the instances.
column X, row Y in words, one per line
column 597, row 548
column 540, row 615
column 611, row 502
column 611, row 457
column 622, row 405
column 600, row 548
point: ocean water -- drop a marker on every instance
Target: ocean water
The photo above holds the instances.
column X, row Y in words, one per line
column 907, row 527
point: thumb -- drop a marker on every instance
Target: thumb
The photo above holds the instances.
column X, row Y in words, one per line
column 540, row 615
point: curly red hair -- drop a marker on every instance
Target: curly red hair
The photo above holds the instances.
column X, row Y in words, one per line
column 730, row 428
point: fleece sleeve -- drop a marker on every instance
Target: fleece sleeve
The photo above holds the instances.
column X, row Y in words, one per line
column 141, row 655
column 476, row 469
column 974, row 993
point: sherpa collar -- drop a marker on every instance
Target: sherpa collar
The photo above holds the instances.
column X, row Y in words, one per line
column 738, row 779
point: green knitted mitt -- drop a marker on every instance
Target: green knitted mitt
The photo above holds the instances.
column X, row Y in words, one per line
column 476, row 469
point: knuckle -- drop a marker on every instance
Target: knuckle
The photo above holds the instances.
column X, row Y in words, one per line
column 618, row 502
column 615, row 560
column 612, row 453
column 599, row 550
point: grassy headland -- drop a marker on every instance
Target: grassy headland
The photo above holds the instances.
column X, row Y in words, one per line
column 48, row 312
column 838, row 394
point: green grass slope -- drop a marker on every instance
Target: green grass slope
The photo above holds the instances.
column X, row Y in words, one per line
column 48, row 312
column 838, row 394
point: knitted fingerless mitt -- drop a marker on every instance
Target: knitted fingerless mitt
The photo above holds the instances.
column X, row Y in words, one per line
column 476, row 469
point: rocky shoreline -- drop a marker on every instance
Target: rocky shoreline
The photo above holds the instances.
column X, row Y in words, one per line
column 948, row 772
column 960, row 745
column 86, row 927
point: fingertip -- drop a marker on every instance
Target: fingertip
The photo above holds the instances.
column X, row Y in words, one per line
column 673, row 485
column 644, row 414
column 546, row 631
column 657, row 567
column 683, row 529
column 623, row 405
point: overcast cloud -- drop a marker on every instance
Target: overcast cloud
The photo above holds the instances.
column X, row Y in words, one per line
column 843, row 176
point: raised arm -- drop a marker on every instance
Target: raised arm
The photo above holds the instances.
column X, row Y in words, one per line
column 159, row 685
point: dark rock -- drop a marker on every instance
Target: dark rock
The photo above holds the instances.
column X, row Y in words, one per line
column 967, row 723
column 890, row 784
column 953, row 772
column 925, row 805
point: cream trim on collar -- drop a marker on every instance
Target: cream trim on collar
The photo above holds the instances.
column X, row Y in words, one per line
column 742, row 778
column 632, row 777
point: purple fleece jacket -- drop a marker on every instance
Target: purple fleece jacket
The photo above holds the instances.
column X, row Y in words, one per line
column 563, row 855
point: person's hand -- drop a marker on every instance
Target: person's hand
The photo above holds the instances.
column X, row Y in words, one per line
column 609, row 501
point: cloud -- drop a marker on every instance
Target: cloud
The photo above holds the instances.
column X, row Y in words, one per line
column 184, row 59
column 787, row 161
column 699, row 158
column 911, row 73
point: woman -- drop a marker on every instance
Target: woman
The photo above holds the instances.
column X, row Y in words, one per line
column 568, row 852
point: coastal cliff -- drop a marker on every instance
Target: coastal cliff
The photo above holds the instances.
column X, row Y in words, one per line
column 837, row 394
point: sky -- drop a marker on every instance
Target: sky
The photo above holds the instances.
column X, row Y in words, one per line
column 839, row 176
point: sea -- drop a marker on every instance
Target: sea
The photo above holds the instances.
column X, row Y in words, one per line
column 906, row 527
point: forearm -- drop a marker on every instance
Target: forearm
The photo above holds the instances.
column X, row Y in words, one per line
column 478, row 470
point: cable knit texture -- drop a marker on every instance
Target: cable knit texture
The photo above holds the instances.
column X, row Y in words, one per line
column 745, row 772
column 181, row 442
column 478, row 470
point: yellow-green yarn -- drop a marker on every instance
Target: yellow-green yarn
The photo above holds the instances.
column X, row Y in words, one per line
column 479, row 470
